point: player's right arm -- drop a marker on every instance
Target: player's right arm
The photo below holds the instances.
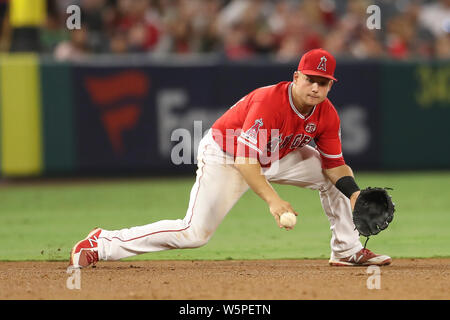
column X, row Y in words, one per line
column 253, row 139
column 250, row 170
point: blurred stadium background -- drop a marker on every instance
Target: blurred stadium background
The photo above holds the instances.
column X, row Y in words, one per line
column 106, row 98
column 141, row 80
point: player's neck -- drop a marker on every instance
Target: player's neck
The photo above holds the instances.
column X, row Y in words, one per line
column 303, row 108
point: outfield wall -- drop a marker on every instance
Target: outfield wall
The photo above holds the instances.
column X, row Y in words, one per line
column 135, row 116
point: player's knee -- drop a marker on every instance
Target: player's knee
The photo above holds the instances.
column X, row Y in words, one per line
column 196, row 243
column 194, row 238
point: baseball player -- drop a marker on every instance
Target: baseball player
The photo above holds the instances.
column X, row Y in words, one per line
column 262, row 139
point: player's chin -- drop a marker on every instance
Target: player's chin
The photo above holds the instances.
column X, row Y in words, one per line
column 313, row 100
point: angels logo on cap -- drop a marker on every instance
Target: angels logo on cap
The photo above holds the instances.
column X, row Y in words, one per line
column 318, row 62
column 323, row 64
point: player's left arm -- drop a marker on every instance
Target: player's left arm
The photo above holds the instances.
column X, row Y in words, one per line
column 335, row 174
column 329, row 146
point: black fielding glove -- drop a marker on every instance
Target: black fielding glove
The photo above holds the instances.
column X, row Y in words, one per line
column 373, row 211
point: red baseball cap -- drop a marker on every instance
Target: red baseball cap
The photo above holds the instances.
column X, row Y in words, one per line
column 318, row 62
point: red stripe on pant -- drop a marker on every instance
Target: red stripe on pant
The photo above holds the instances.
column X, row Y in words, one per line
column 162, row 231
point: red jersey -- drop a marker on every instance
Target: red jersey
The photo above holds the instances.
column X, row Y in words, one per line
column 266, row 125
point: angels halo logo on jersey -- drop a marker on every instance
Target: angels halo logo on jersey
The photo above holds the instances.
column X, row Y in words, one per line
column 252, row 133
column 310, row 127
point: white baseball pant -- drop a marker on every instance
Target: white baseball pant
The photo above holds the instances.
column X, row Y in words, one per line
column 217, row 188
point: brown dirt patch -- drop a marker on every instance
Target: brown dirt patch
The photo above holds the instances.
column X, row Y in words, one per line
column 226, row 280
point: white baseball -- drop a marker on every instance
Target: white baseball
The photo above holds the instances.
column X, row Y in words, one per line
column 288, row 220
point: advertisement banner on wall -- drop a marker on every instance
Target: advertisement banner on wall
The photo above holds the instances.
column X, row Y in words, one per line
column 153, row 117
column 116, row 119
column 415, row 113
column 357, row 97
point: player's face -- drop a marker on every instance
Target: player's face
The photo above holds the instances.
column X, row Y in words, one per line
column 311, row 90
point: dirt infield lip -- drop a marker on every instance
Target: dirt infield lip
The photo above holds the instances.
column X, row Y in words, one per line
column 62, row 259
column 404, row 279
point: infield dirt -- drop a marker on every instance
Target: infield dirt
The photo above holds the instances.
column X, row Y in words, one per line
column 226, row 280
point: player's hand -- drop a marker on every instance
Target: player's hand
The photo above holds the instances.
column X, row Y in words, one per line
column 277, row 207
column 353, row 198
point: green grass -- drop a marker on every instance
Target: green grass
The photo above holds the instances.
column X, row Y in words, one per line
column 43, row 221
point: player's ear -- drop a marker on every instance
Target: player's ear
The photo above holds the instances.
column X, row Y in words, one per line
column 296, row 76
column 330, row 84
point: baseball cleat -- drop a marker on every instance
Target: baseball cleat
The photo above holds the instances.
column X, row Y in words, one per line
column 363, row 257
column 85, row 252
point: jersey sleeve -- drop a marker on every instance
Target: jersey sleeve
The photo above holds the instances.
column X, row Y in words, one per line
column 255, row 134
column 329, row 142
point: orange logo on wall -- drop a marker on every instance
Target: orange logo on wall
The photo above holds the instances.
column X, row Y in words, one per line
column 106, row 91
